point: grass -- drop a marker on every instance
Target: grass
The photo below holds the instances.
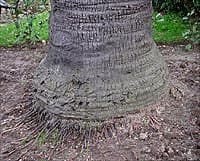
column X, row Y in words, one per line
column 8, row 31
column 166, row 29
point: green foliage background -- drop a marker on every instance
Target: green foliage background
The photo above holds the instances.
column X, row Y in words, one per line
column 173, row 21
column 178, row 6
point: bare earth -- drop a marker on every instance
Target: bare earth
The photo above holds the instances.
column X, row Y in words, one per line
column 169, row 132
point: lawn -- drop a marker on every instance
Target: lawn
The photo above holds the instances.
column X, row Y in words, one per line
column 167, row 29
column 8, row 32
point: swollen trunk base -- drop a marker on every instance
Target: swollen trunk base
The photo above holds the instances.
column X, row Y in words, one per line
column 102, row 61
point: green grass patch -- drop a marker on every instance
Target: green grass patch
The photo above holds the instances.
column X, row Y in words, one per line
column 7, row 35
column 8, row 32
column 166, row 29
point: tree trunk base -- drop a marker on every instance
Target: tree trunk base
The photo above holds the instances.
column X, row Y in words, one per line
column 78, row 96
column 77, row 107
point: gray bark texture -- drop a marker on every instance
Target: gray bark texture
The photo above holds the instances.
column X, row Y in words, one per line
column 102, row 61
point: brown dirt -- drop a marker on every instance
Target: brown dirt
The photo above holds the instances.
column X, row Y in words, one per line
column 170, row 131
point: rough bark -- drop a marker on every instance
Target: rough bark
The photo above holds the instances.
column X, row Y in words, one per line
column 102, row 61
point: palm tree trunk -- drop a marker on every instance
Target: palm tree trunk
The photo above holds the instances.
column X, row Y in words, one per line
column 102, row 60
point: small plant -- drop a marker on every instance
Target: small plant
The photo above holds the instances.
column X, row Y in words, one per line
column 193, row 33
column 24, row 16
column 42, row 138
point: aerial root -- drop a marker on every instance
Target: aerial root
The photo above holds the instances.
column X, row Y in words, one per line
column 77, row 133
column 39, row 120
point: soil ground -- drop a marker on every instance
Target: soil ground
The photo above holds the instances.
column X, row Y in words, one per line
column 169, row 132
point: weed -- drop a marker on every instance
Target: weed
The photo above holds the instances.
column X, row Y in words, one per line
column 42, row 138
